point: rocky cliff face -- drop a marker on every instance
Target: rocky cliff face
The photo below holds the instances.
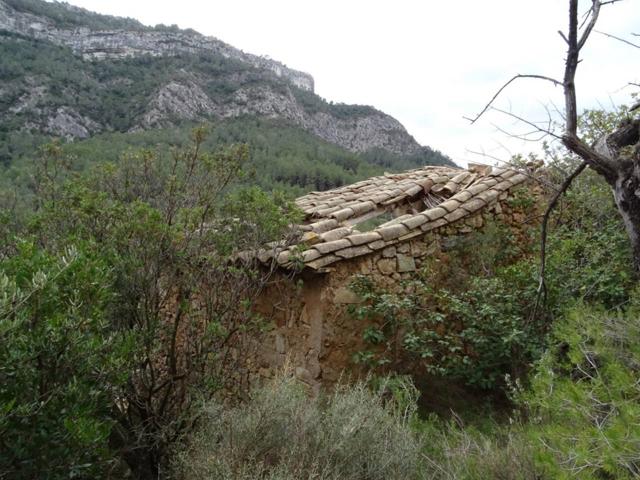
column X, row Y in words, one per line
column 186, row 99
column 101, row 45
column 242, row 84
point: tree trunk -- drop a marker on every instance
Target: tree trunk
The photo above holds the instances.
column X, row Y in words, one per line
column 616, row 157
column 626, row 192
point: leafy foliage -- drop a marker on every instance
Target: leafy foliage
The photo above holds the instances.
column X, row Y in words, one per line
column 465, row 317
column 164, row 235
column 584, row 396
column 63, row 365
column 589, row 250
column 281, row 157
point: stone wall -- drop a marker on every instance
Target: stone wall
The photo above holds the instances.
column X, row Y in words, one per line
column 312, row 326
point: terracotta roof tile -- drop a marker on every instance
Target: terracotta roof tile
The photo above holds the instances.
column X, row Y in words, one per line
column 391, row 232
column 360, row 238
column 329, row 247
column 332, row 218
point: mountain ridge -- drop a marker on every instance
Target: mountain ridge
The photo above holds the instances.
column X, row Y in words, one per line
column 77, row 75
column 282, row 93
column 94, row 44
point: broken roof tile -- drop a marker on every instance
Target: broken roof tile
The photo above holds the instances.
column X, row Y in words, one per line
column 449, row 194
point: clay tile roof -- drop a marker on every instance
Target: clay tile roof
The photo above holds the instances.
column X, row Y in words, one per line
column 400, row 205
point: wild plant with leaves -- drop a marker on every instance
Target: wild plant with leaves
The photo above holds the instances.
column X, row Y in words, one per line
column 63, row 364
column 168, row 230
column 464, row 316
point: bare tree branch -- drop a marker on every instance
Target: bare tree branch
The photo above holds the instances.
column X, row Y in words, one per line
column 525, row 137
column 570, row 71
column 604, row 166
column 609, row 155
column 617, row 38
column 542, row 289
column 564, row 37
column 530, row 123
column 487, row 155
column 514, row 78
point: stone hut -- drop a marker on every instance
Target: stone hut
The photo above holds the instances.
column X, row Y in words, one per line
column 383, row 227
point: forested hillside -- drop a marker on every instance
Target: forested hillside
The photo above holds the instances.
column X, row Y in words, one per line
column 281, row 155
column 79, row 75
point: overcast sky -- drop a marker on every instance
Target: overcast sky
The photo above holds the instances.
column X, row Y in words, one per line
column 428, row 63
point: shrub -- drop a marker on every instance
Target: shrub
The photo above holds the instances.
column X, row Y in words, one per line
column 62, row 365
column 167, row 236
column 281, row 433
column 457, row 452
column 465, row 316
column 585, row 396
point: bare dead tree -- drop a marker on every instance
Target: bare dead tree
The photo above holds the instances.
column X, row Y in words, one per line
column 615, row 157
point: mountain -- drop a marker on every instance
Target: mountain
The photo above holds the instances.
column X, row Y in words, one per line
column 71, row 73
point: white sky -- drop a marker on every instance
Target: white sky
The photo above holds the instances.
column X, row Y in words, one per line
column 428, row 63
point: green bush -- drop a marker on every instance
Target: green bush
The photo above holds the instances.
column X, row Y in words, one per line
column 282, row 433
column 62, row 365
column 466, row 315
column 160, row 234
column 585, row 396
column 589, row 256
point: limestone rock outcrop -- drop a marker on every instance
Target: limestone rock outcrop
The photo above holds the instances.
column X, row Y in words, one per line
column 261, row 87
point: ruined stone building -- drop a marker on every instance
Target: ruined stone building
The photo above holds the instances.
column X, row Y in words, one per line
column 384, row 227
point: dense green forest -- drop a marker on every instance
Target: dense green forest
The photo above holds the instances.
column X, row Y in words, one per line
column 281, row 157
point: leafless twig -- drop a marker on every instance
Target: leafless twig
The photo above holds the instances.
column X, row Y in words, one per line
column 513, row 79
column 546, row 131
column 525, row 137
column 617, row 38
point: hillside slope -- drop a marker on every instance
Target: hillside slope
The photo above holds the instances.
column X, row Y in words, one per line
column 71, row 73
